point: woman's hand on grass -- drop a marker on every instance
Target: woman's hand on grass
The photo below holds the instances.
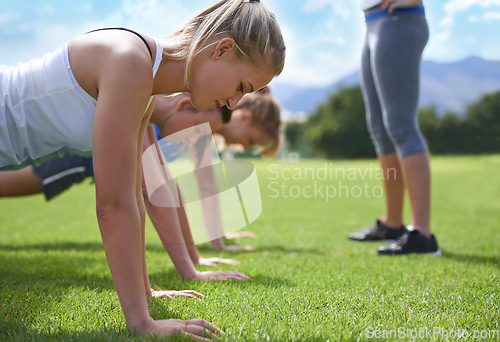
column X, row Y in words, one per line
column 234, row 248
column 214, row 261
column 171, row 294
column 196, row 329
column 239, row 235
column 219, row 245
column 220, row 275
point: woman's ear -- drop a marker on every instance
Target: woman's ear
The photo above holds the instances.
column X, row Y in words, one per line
column 184, row 104
column 224, row 47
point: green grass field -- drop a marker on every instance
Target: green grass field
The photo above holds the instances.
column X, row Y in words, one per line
column 309, row 282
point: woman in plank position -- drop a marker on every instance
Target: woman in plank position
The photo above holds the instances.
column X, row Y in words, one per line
column 66, row 102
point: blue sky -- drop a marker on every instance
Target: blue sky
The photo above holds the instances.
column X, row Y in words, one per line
column 323, row 37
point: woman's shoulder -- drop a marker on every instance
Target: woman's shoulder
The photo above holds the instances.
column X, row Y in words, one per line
column 114, row 42
column 106, row 53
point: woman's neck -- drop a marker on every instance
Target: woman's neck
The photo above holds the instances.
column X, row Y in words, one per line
column 170, row 77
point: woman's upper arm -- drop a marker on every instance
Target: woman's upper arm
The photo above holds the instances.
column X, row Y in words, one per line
column 125, row 86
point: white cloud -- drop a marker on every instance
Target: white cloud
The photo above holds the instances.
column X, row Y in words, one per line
column 472, row 11
column 157, row 18
column 324, row 49
column 310, row 66
column 446, row 21
column 328, row 49
column 50, row 9
column 301, row 67
column 339, row 7
column 85, row 7
column 5, row 19
column 471, row 39
column 319, row 59
column 492, row 16
column 153, row 17
column 316, row 5
column 442, row 37
column 462, row 28
column 453, row 7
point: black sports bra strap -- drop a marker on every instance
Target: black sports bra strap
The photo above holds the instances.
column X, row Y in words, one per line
column 128, row 30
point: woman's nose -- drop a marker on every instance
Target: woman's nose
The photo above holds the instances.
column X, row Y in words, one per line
column 233, row 101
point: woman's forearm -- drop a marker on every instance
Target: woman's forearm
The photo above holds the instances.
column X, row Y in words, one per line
column 167, row 225
column 121, row 236
column 142, row 213
column 188, row 237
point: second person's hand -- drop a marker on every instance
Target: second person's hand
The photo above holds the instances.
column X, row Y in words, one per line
column 214, row 261
column 221, row 275
column 171, row 294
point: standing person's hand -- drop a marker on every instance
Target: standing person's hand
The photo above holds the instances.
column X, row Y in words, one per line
column 391, row 5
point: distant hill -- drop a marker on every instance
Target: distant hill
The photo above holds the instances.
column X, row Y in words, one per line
column 450, row 87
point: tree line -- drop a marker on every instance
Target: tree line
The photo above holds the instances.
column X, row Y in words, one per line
column 337, row 129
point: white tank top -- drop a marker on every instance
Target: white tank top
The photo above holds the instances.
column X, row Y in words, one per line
column 44, row 113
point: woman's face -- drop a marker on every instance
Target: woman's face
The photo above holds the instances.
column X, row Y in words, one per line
column 242, row 131
column 220, row 78
column 172, row 114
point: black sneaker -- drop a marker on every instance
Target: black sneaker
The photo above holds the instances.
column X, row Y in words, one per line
column 412, row 242
column 378, row 232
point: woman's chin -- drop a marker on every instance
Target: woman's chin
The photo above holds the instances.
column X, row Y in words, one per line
column 199, row 107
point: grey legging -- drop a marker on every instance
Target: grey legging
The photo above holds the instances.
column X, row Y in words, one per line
column 390, row 82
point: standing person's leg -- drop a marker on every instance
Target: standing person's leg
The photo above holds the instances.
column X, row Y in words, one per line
column 394, row 188
column 397, row 58
column 416, row 170
column 390, row 226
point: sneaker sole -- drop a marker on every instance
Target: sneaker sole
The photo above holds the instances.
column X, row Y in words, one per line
column 374, row 241
column 432, row 254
